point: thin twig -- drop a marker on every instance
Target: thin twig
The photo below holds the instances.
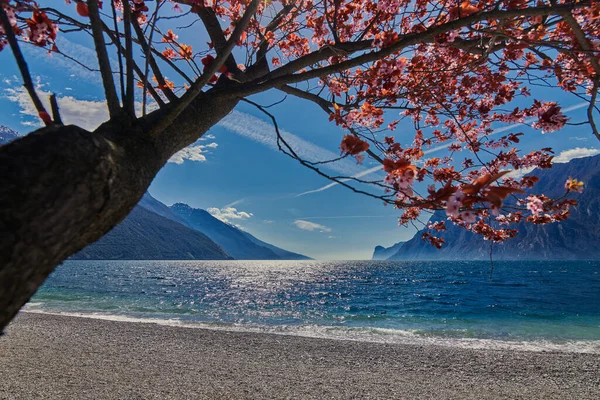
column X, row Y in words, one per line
column 590, row 109
column 292, row 153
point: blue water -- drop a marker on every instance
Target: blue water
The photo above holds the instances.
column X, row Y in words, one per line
column 549, row 304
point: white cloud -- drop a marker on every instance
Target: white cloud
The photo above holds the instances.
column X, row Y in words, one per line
column 263, row 132
column 268, row 221
column 311, row 226
column 226, row 214
column 579, row 138
column 84, row 113
column 577, row 152
column 331, row 237
column 519, row 173
column 192, row 153
column 88, row 114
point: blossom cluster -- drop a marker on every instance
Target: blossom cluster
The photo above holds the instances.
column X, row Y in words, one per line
column 38, row 29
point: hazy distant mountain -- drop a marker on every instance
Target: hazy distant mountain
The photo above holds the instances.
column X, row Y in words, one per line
column 145, row 235
column 383, row 253
column 7, row 135
column 578, row 238
column 283, row 254
column 239, row 244
column 154, row 231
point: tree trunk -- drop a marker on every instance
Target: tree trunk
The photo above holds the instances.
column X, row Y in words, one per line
column 62, row 188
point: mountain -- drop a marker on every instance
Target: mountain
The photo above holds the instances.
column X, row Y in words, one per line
column 145, row 235
column 150, row 203
column 577, row 238
column 239, row 244
column 383, row 253
column 283, row 254
column 7, row 135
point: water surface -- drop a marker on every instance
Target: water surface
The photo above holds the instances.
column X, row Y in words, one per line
column 533, row 305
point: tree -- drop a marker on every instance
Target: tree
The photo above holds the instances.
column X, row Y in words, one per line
column 451, row 68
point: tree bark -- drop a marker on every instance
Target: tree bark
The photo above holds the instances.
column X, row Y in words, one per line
column 62, row 188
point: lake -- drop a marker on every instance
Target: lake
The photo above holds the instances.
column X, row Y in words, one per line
column 523, row 305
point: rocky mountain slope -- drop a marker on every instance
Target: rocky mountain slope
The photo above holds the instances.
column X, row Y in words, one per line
column 7, row 135
column 578, row 238
column 145, row 235
column 239, row 244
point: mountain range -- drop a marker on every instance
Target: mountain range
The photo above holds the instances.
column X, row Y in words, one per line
column 239, row 244
column 145, row 235
column 155, row 231
column 577, row 238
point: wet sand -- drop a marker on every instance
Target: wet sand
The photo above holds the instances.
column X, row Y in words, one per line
column 60, row 357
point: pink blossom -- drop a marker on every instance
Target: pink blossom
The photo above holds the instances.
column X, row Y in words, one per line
column 468, row 216
column 454, row 203
column 535, row 205
column 550, row 117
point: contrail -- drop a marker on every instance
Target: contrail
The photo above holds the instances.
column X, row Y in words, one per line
column 435, row 149
column 235, row 203
column 359, row 175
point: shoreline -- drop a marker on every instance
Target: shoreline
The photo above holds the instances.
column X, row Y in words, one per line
column 62, row 357
column 366, row 335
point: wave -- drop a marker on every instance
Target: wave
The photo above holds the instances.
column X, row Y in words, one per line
column 373, row 335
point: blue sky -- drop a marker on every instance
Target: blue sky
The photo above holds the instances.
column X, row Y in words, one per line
column 237, row 172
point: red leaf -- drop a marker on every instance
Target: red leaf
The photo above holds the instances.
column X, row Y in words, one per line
column 82, row 9
column 352, row 145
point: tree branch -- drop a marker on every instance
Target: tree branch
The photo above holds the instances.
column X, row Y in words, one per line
column 112, row 100
column 150, row 59
column 137, row 69
column 581, row 39
column 153, row 23
column 271, row 26
column 590, row 109
column 119, row 51
column 129, row 101
column 289, row 151
column 55, row 110
column 215, row 32
column 325, row 106
column 284, row 75
column 22, row 64
column 209, row 71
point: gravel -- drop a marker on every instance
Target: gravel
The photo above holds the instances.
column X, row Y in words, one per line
column 60, row 357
